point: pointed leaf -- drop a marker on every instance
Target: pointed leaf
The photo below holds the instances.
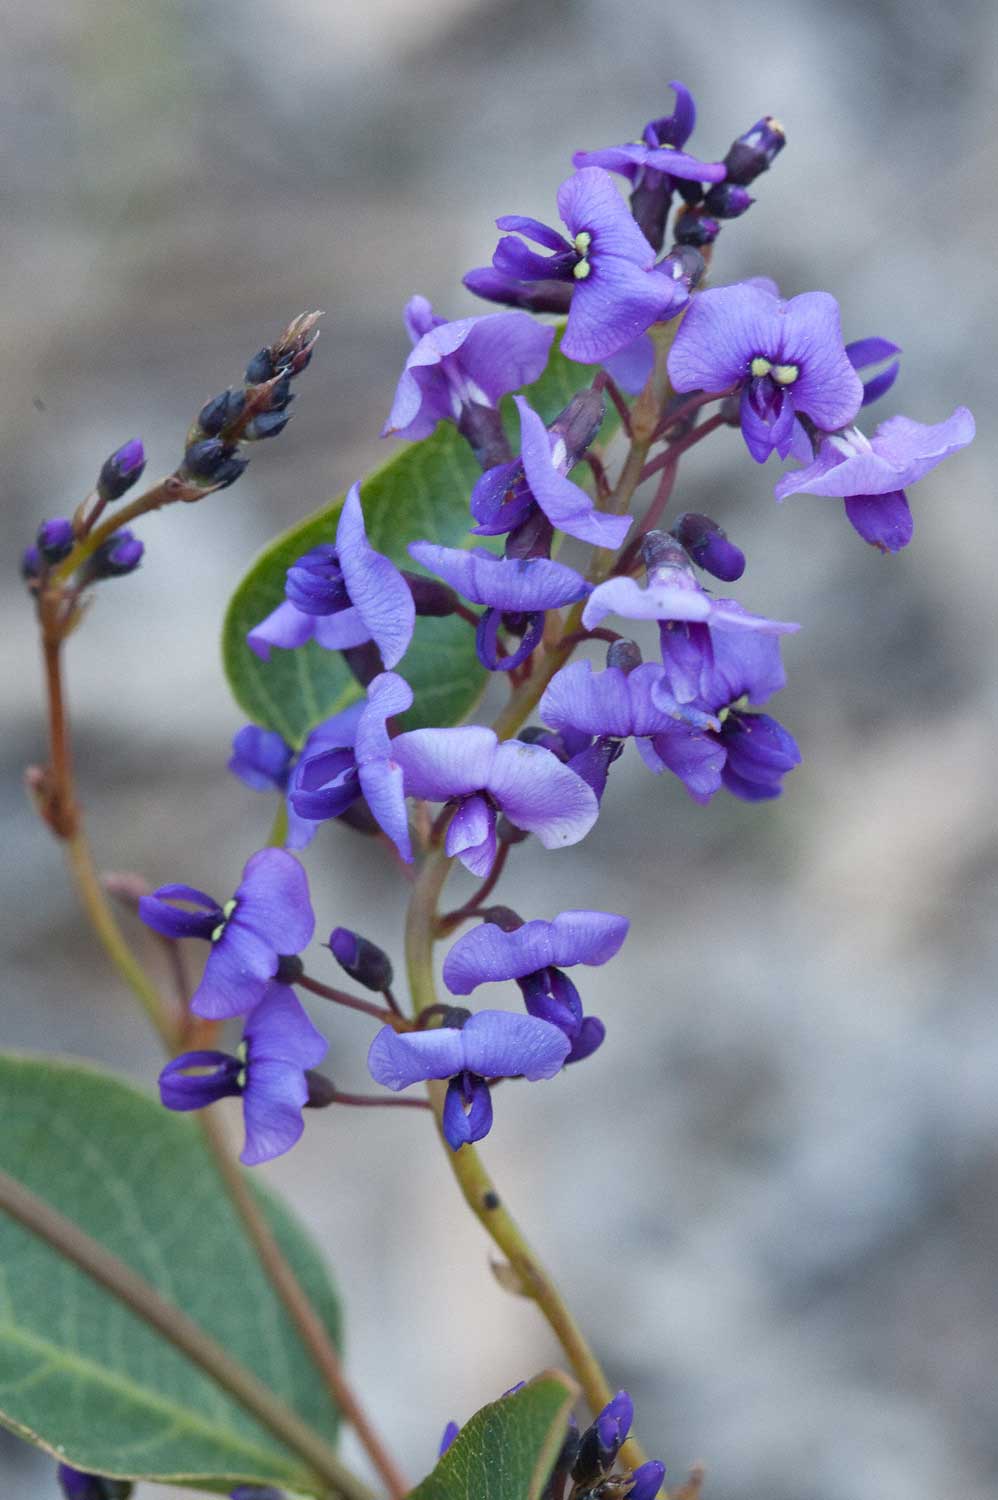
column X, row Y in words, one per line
column 83, row 1377
column 508, row 1449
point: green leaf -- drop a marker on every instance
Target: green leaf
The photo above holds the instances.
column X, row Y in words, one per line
column 422, row 491
column 80, row 1375
column 508, row 1449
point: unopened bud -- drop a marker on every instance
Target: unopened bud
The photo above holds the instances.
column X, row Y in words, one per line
column 362, row 959
column 533, row 296
column 321, row 1090
column 708, row 545
column 260, row 368
column 121, row 470
column 755, row 151
column 579, row 423
column 504, row 917
column 31, row 563
column 55, row 539
column 289, row 969
column 119, row 555
column 429, row 595
column 267, row 425
column 646, row 1481
column 623, row 654
column 220, row 411
column 728, row 200
column 660, row 550
column 214, row 462
column 696, row 229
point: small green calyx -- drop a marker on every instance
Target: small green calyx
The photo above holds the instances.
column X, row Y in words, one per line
column 760, row 366
column 582, row 242
column 227, row 911
column 785, row 374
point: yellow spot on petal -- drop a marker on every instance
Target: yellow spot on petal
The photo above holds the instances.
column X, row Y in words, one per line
column 760, row 366
column 785, row 374
column 581, row 271
column 582, row 241
column 229, row 908
column 218, row 932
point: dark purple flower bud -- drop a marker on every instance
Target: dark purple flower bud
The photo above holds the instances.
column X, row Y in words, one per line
column 660, row 550
column 280, row 397
column 623, row 654
column 555, row 1487
column 315, row 583
column 579, row 423
column 220, row 411
column 728, row 200
column 31, row 563
column 503, row 917
column 532, row 296
column 121, row 470
column 684, row 263
column 614, row 1423
column 260, row 368
column 429, row 596
column 450, row 1432
column 593, row 764
column 119, row 555
column 267, row 425
column 696, row 229
column 482, row 429
column 647, row 1480
column 362, row 959
column 214, row 462
column 78, row 1485
column 55, row 539
column 754, row 152
column 707, row 543
column 321, row 1090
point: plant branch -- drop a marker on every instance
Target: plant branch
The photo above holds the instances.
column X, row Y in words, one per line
column 354, row 1002
column 173, row 1324
column 452, row 919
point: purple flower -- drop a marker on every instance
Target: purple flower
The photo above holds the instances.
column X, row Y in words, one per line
column 55, row 539
column 76, row 1484
column 871, row 474
column 265, row 762
column 654, row 164
column 615, row 702
column 647, row 1480
column 708, row 545
column 535, row 955
column 472, row 361
column 279, row 1043
column 329, row 777
column 122, row 470
column 341, row 596
column 269, row 916
column 787, row 357
column 616, row 293
column 503, row 496
column 517, row 591
column 469, row 766
column 491, row 1044
column 689, row 618
column 658, row 150
column 748, row 753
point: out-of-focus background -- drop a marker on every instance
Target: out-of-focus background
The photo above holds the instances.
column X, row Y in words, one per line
column 772, row 1196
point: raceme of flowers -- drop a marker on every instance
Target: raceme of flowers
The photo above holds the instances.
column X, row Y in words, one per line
column 639, row 317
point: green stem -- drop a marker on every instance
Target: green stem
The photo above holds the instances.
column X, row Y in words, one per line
column 476, row 1185
column 178, row 1329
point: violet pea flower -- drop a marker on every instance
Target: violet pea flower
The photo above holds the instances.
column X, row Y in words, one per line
column 491, row 1044
column 872, row 474
column 265, row 762
column 341, row 596
column 269, row 917
column 468, row 765
column 279, row 1044
column 788, row 358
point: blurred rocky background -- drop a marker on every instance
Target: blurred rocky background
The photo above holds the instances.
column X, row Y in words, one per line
column 772, row 1197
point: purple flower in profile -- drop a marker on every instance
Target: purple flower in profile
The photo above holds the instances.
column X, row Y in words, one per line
column 787, row 358
column 872, row 474
column 653, row 164
column 617, row 294
column 874, row 350
column 468, row 766
column 504, row 496
column 491, row 1044
column 471, row 361
column 689, row 618
column 341, row 596
column 330, row 776
column 265, row 762
column 77, row 1484
column 279, row 1044
column 517, row 591
column 269, row 917
column 536, row 955
column 748, row 753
